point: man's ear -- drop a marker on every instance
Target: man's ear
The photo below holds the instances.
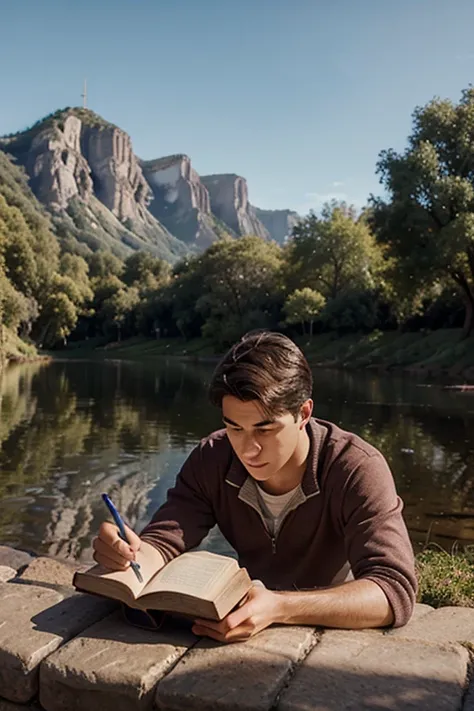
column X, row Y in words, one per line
column 305, row 413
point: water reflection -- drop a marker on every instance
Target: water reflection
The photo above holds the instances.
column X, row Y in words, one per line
column 70, row 430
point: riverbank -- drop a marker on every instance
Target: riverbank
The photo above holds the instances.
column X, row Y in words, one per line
column 440, row 353
column 14, row 350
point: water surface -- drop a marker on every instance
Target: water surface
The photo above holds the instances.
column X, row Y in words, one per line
column 70, row 430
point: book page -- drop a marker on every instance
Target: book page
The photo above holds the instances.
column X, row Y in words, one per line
column 147, row 557
column 195, row 573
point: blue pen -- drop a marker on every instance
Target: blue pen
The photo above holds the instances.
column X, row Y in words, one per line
column 120, row 525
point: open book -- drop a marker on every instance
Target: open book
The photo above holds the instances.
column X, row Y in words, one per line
column 198, row 584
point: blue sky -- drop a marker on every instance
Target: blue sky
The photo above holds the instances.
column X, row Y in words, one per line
column 298, row 96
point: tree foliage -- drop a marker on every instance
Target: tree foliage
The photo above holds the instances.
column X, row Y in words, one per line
column 427, row 221
column 406, row 259
column 333, row 252
column 304, row 306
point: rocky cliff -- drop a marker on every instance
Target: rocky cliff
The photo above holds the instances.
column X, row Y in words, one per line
column 84, row 170
column 180, row 200
column 279, row 223
column 230, row 203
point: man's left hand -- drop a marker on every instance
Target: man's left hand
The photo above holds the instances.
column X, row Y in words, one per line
column 260, row 609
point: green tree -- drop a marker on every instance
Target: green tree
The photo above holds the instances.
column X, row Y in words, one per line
column 77, row 269
column 428, row 219
column 353, row 311
column 304, row 306
column 333, row 252
column 104, row 264
column 118, row 308
column 144, row 271
column 241, row 287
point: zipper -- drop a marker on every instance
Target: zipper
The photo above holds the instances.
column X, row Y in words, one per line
column 272, row 536
column 267, row 530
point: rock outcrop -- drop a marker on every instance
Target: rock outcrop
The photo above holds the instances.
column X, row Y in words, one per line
column 230, row 203
column 85, row 172
column 279, row 223
column 56, row 166
column 117, row 175
column 180, row 200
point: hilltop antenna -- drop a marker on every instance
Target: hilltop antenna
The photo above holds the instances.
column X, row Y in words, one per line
column 84, row 95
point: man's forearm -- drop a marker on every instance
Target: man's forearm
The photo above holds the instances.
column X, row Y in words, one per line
column 354, row 605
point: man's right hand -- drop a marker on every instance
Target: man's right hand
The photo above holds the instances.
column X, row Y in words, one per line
column 111, row 551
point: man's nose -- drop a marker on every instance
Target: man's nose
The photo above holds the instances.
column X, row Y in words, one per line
column 251, row 448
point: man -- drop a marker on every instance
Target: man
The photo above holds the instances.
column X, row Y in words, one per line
column 311, row 510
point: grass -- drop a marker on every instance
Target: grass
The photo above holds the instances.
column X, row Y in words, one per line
column 446, row 579
column 441, row 352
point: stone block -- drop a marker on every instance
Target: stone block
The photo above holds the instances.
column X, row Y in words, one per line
column 446, row 624
column 420, row 611
column 34, row 622
column 292, row 642
column 6, row 573
column 9, row 706
column 50, row 571
column 13, row 558
column 112, row 666
column 352, row 673
column 245, row 675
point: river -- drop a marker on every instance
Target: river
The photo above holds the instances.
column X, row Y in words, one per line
column 70, row 430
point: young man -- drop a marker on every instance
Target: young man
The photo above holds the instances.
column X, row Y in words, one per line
column 311, row 510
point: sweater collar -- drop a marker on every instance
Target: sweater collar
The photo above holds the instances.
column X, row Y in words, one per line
column 237, row 473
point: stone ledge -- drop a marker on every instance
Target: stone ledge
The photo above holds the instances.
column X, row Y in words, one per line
column 112, row 666
column 346, row 672
column 247, row 675
column 50, row 571
column 6, row 573
column 57, row 642
column 446, row 624
column 34, row 622
column 13, row 558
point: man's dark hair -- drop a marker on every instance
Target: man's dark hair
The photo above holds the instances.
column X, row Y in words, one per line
column 264, row 366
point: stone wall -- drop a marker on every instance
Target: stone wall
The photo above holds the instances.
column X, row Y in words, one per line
column 63, row 651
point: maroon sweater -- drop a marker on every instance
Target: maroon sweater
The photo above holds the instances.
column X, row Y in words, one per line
column 347, row 514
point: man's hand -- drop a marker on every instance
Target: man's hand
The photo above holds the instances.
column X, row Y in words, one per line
column 111, row 551
column 260, row 609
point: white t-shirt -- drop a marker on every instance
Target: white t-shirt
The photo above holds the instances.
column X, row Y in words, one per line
column 274, row 505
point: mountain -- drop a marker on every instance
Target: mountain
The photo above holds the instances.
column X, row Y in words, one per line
column 84, row 171
column 230, row 202
column 181, row 201
column 279, row 223
column 100, row 195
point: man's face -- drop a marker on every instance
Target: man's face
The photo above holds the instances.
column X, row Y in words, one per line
column 263, row 444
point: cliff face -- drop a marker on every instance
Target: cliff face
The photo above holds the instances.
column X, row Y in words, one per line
column 279, row 223
column 230, row 203
column 180, row 200
column 56, row 166
column 84, row 170
column 117, row 176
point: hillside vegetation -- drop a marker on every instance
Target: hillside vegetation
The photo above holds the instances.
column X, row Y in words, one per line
column 391, row 286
